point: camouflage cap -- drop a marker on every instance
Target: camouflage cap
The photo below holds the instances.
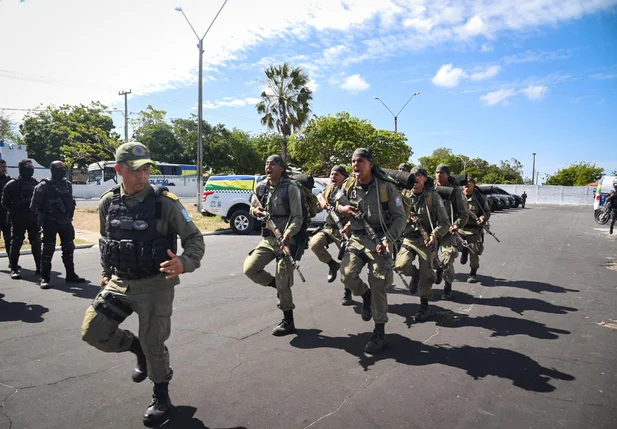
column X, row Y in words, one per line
column 419, row 170
column 133, row 154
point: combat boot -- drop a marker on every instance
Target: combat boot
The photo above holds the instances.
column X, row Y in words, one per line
column 472, row 276
column 464, row 256
column 377, row 342
column 367, row 313
column 140, row 372
column 45, row 284
column 447, row 292
column 286, row 326
column 160, row 407
column 423, row 313
column 334, row 267
column 15, row 275
column 74, row 278
column 413, row 287
column 438, row 275
column 347, row 300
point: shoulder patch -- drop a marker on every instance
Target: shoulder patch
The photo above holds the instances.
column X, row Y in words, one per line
column 186, row 215
column 398, row 200
column 172, row 196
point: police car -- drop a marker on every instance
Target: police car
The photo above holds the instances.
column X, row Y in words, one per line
column 229, row 196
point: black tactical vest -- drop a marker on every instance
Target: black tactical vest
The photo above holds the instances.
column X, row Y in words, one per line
column 132, row 247
column 59, row 204
column 3, row 181
column 21, row 199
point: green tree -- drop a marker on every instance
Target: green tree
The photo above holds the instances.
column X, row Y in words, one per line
column 7, row 130
column 329, row 140
column 79, row 135
column 511, row 171
column 152, row 130
column 285, row 104
column 578, row 174
column 266, row 144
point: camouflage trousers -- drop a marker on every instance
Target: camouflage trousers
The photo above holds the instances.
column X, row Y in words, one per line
column 449, row 252
column 320, row 241
column 411, row 248
column 476, row 246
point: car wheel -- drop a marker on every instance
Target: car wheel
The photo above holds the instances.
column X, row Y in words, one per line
column 242, row 222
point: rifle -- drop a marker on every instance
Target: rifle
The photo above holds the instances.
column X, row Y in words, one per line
column 279, row 236
column 486, row 226
column 373, row 236
column 426, row 237
column 462, row 241
column 339, row 224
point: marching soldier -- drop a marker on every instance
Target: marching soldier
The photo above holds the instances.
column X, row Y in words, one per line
column 281, row 198
column 330, row 232
column 458, row 214
column 376, row 209
column 427, row 205
column 472, row 230
column 5, row 225
column 54, row 203
column 16, row 198
column 139, row 227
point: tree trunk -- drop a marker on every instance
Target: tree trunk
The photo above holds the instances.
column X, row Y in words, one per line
column 284, row 149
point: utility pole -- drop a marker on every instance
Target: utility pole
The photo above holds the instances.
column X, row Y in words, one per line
column 533, row 172
column 537, row 178
column 126, row 115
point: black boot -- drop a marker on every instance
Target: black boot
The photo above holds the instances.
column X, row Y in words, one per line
column 447, row 292
column 347, row 300
column 160, row 407
column 74, row 278
column 438, row 275
column 423, row 312
column 45, row 283
column 286, row 326
column 464, row 255
column 472, row 276
column 367, row 313
column 140, row 372
column 413, row 287
column 334, row 267
column 378, row 341
column 15, row 275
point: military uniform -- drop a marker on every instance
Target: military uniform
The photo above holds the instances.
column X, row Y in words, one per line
column 16, row 198
column 284, row 203
column 612, row 201
column 5, row 224
column 53, row 201
column 474, row 233
column 429, row 208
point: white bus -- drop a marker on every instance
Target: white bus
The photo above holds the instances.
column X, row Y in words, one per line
column 167, row 175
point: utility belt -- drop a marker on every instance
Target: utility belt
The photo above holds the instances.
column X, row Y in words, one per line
column 361, row 232
column 132, row 260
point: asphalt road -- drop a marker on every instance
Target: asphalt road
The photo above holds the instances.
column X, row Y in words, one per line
column 530, row 346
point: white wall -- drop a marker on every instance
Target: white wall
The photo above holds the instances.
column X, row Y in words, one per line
column 557, row 195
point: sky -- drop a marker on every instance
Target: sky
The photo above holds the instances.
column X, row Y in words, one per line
column 497, row 79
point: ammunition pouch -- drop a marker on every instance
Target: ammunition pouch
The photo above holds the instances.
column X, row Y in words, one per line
column 132, row 260
column 265, row 232
column 111, row 306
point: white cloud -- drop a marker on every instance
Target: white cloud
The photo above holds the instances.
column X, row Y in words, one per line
column 486, row 48
column 531, row 56
column 354, row 83
column 231, row 102
column 497, row 97
column 491, row 71
column 535, row 92
column 448, row 76
column 475, row 25
column 604, row 76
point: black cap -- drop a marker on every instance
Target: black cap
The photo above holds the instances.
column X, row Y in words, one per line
column 277, row 159
column 419, row 170
column 341, row 170
column 364, row 153
column 443, row 167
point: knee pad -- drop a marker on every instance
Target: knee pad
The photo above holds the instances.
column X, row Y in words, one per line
column 69, row 248
column 110, row 306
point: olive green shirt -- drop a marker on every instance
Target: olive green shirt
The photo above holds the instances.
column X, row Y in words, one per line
column 174, row 218
column 438, row 215
column 286, row 215
column 459, row 210
column 479, row 208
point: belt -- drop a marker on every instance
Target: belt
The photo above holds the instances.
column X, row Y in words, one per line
column 131, row 276
column 412, row 235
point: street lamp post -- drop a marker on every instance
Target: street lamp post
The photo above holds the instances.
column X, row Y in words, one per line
column 464, row 162
column 200, row 47
column 533, row 171
column 399, row 112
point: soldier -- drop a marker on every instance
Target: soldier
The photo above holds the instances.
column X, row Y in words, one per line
column 5, row 225
column 281, row 198
column 54, row 203
column 378, row 203
column 330, row 232
column 524, row 198
column 427, row 205
column 16, row 199
column 472, row 230
column 457, row 211
column 404, row 167
column 139, row 226
column 612, row 201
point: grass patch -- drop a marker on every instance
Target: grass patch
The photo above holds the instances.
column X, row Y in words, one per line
column 26, row 245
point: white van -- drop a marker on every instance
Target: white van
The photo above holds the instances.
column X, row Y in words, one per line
column 605, row 186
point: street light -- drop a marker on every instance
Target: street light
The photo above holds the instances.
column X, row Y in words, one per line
column 464, row 162
column 200, row 46
column 533, row 172
column 399, row 112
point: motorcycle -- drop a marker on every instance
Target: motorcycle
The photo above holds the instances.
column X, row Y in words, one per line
column 603, row 214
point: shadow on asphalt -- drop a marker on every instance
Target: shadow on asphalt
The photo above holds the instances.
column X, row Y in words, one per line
column 80, row 290
column 478, row 362
column 537, row 287
column 20, row 311
column 182, row 418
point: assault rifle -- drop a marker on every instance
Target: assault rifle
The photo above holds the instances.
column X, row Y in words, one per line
column 337, row 221
column 425, row 235
column 373, row 236
column 462, row 241
column 279, row 236
column 485, row 226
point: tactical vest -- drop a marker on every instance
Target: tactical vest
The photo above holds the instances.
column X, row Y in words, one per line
column 3, row 181
column 21, row 199
column 59, row 204
column 132, row 248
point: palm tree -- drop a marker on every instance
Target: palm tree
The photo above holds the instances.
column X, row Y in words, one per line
column 285, row 102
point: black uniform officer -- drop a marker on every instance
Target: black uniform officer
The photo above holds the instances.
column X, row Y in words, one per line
column 54, row 205
column 5, row 225
column 16, row 199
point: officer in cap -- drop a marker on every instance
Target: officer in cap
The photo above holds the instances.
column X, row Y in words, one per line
column 281, row 197
column 330, row 232
column 139, row 226
column 54, row 204
column 458, row 214
column 379, row 203
column 428, row 207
